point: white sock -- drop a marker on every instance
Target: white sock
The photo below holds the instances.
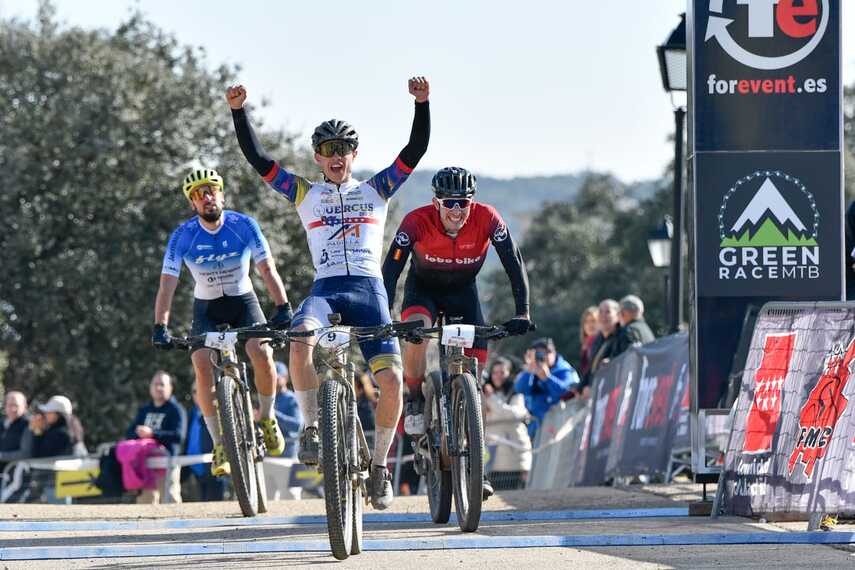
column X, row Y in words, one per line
column 265, row 405
column 213, row 423
column 308, row 400
column 383, row 437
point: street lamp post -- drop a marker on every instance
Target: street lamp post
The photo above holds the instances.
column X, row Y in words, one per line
column 672, row 65
column 659, row 242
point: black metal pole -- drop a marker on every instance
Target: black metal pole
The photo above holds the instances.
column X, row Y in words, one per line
column 677, row 237
column 667, row 305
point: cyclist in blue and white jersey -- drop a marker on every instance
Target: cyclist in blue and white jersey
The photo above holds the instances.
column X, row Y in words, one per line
column 216, row 245
column 344, row 220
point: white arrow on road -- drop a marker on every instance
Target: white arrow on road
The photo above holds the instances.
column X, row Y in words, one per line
column 717, row 28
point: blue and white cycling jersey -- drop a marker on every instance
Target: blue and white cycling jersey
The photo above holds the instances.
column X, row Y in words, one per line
column 219, row 261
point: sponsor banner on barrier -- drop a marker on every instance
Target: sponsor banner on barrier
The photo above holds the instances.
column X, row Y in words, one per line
column 607, row 393
column 638, row 412
column 791, row 448
column 556, row 446
column 643, row 442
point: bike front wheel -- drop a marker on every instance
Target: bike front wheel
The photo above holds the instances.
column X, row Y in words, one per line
column 238, row 442
column 468, row 463
column 338, row 487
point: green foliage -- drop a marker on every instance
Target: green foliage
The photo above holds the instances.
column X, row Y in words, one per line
column 578, row 253
column 98, row 130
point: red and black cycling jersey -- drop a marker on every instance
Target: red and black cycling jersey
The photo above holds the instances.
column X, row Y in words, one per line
column 444, row 263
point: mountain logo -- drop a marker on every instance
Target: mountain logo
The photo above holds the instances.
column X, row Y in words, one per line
column 768, row 219
column 768, row 227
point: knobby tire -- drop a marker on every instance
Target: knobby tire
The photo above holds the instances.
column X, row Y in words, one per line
column 238, row 432
column 438, row 481
column 338, row 490
column 467, row 467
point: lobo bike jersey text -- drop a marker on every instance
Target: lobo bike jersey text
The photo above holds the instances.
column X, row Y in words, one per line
column 219, row 261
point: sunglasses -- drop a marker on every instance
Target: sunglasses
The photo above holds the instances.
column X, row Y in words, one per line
column 329, row 149
column 200, row 193
column 451, row 203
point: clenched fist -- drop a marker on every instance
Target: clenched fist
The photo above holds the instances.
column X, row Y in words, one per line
column 236, row 95
column 419, row 88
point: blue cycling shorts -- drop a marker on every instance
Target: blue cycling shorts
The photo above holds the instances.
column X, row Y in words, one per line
column 362, row 302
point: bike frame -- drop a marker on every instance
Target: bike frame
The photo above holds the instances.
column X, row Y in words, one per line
column 452, row 362
column 344, row 372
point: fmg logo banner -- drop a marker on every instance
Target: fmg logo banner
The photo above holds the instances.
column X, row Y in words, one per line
column 765, row 139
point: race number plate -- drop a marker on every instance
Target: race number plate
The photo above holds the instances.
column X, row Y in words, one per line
column 221, row 340
column 334, row 337
column 458, row 335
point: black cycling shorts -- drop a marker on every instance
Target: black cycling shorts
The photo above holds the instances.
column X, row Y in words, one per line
column 461, row 302
column 240, row 311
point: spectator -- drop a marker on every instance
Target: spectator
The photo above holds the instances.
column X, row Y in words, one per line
column 16, row 440
column 50, row 426
column 287, row 409
column 164, row 420
column 588, row 329
column 504, row 422
column 545, row 378
column 199, row 441
column 634, row 331
column 603, row 346
column 366, row 401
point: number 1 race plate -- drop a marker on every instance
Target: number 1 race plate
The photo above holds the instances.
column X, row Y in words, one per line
column 458, row 335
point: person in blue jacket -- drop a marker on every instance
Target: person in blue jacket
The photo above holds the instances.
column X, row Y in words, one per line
column 288, row 414
column 546, row 377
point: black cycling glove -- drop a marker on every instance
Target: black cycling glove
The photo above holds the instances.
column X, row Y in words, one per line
column 281, row 318
column 518, row 325
column 160, row 337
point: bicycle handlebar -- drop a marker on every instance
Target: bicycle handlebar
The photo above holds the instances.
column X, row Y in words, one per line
column 408, row 330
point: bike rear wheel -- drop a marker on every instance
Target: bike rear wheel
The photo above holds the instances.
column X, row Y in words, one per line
column 468, row 464
column 338, row 488
column 438, row 481
column 262, row 486
column 238, row 433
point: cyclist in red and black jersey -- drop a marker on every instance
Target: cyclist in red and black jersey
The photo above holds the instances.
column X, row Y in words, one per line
column 448, row 240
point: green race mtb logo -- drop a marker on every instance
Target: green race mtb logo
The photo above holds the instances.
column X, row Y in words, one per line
column 774, row 235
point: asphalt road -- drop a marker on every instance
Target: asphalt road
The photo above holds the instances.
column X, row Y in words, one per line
column 125, row 534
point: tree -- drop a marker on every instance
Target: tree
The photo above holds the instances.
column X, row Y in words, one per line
column 99, row 128
column 578, row 253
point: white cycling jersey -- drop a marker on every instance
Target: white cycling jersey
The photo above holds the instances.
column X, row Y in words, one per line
column 344, row 224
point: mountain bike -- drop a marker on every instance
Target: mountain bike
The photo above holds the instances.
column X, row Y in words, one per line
column 451, row 452
column 345, row 458
column 242, row 438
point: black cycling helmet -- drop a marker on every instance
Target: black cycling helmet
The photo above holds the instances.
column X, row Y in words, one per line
column 454, row 182
column 334, row 130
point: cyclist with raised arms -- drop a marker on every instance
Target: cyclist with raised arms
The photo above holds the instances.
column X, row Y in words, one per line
column 216, row 245
column 344, row 220
column 448, row 240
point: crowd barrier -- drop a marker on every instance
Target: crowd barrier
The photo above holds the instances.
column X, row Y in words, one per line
column 791, row 448
column 635, row 421
column 67, row 478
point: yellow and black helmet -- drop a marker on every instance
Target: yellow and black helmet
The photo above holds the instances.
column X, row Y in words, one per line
column 200, row 177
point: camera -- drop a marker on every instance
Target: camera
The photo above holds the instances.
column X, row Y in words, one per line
column 539, row 356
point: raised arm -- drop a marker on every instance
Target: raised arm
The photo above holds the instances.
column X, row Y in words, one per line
column 291, row 186
column 387, row 181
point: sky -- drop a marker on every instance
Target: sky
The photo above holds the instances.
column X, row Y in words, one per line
column 538, row 87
